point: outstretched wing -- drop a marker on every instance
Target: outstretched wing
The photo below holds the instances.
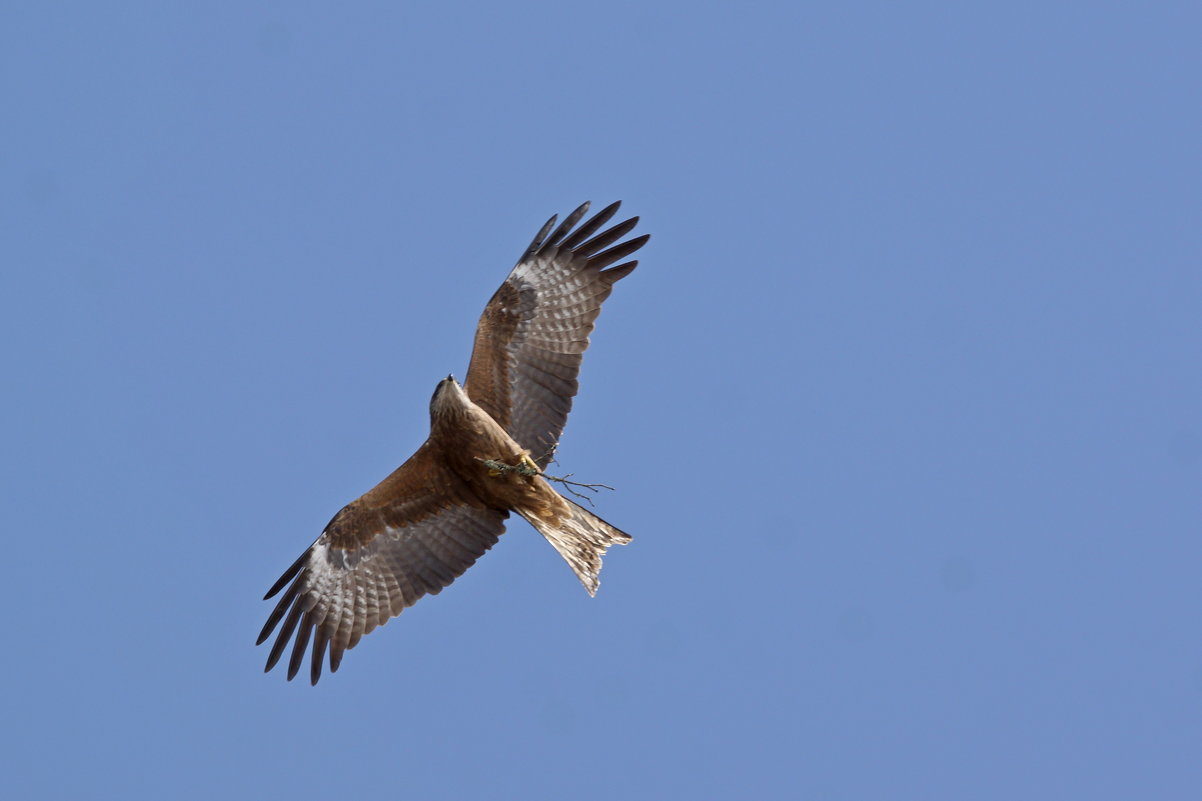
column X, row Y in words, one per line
column 533, row 333
column 413, row 534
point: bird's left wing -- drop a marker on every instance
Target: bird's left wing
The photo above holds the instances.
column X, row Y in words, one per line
column 413, row 534
column 535, row 329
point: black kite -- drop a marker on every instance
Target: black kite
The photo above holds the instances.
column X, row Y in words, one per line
column 422, row 526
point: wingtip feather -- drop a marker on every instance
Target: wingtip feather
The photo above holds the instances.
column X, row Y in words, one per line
column 619, row 271
column 289, row 574
column 568, row 223
column 617, row 252
column 590, row 227
column 537, row 242
column 281, row 641
column 319, row 652
column 298, row 647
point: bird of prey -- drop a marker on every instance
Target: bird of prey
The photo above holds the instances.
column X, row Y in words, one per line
column 490, row 440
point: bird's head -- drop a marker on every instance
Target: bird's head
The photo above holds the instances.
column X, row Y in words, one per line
column 448, row 398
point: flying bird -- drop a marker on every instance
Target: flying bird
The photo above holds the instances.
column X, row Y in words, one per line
column 490, row 440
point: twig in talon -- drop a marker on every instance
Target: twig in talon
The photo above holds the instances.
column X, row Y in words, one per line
column 497, row 468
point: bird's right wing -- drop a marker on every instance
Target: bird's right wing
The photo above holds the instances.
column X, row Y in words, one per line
column 413, row 534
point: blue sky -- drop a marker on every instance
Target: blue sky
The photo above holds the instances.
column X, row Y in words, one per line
column 902, row 404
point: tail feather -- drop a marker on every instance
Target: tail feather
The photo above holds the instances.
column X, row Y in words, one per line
column 581, row 540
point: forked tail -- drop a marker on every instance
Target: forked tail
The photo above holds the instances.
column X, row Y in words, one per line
column 581, row 540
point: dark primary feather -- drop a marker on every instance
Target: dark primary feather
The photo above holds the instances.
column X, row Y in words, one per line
column 587, row 230
column 533, row 332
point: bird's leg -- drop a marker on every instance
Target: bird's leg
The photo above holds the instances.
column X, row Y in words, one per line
column 529, row 464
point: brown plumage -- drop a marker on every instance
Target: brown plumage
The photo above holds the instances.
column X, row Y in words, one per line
column 436, row 514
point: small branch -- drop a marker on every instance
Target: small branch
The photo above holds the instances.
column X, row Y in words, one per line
column 523, row 469
column 568, row 485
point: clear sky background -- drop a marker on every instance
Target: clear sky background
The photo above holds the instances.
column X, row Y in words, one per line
column 903, row 403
